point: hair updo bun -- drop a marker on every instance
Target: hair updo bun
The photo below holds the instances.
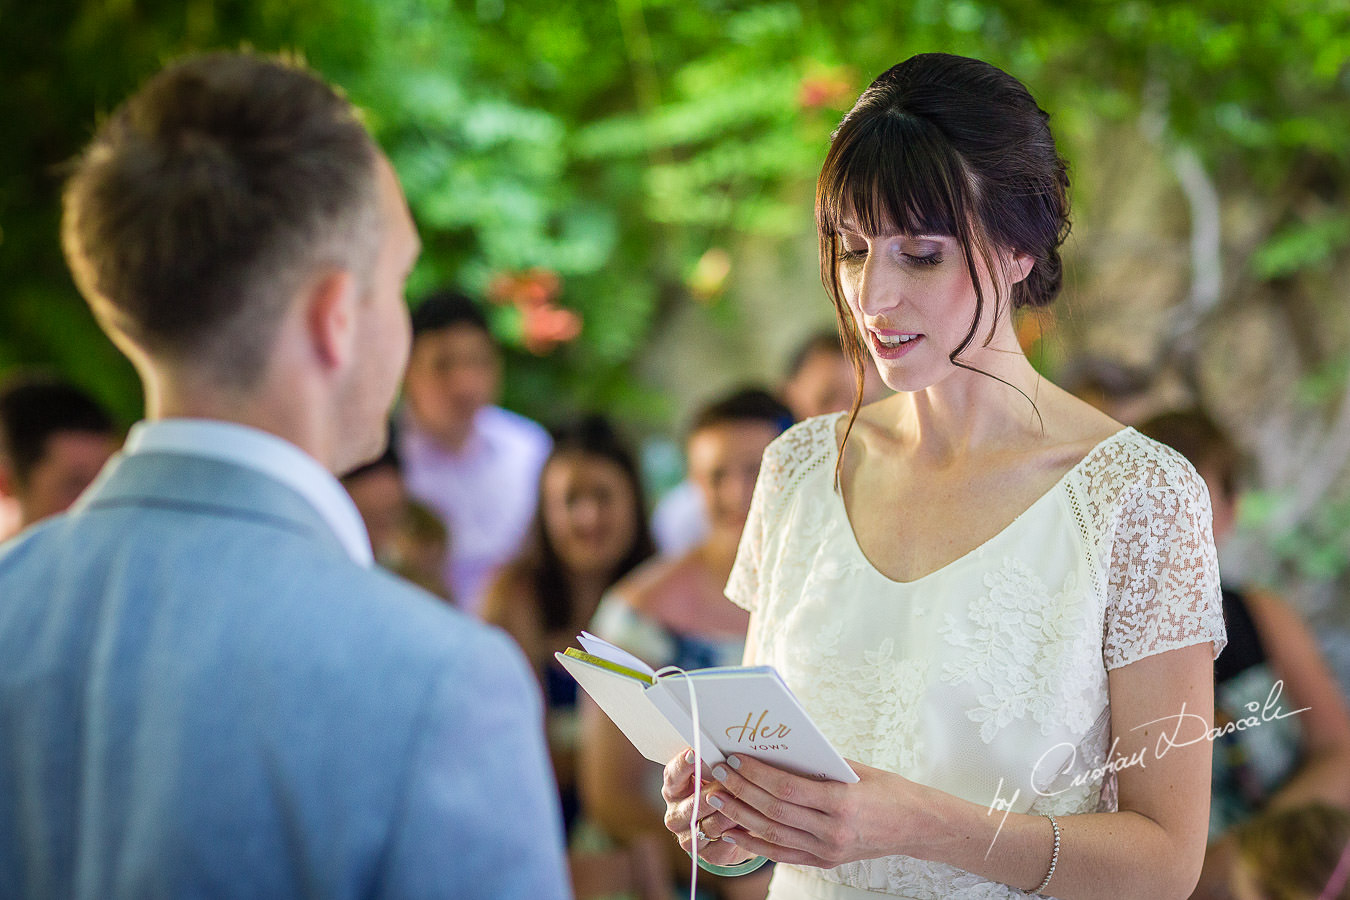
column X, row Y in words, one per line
column 943, row 144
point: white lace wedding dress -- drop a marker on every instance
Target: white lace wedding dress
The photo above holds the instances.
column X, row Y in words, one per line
column 987, row 678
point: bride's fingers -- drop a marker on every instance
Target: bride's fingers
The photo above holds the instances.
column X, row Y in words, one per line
column 677, row 781
column 678, row 813
column 782, row 817
column 713, row 850
column 760, row 784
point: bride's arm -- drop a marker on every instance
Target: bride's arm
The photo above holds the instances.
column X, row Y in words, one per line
column 1161, row 711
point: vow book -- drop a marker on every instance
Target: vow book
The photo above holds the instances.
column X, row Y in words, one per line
column 747, row 710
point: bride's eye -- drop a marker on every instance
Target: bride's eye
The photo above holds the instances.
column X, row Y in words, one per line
column 852, row 249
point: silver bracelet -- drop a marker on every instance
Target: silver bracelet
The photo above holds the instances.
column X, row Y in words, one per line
column 1054, row 859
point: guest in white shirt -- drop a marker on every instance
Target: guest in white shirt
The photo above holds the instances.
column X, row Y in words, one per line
column 475, row 464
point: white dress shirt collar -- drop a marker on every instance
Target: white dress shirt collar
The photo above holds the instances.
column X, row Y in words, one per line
column 263, row 452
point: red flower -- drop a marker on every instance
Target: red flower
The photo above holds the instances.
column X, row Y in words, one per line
column 545, row 326
column 826, row 89
column 529, row 288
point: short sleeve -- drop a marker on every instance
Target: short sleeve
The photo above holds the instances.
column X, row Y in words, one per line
column 1163, row 577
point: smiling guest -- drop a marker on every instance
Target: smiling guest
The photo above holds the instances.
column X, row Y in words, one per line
column 206, row 687
column 589, row 531
column 671, row 611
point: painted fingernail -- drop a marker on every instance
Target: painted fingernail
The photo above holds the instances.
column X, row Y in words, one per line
column 734, row 762
column 689, row 756
column 720, row 772
column 715, row 801
column 729, row 839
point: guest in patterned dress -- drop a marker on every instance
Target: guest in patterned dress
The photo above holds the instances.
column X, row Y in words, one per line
column 999, row 603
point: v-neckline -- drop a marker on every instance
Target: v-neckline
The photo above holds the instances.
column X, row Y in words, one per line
column 852, row 537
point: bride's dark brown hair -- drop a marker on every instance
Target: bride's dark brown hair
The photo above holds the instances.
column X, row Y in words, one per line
column 943, row 144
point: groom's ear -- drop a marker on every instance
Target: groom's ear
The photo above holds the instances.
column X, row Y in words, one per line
column 330, row 317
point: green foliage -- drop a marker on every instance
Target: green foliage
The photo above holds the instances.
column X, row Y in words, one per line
column 1319, row 549
column 1302, row 246
column 613, row 144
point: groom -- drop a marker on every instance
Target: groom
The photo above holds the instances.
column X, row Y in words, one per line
column 206, row 689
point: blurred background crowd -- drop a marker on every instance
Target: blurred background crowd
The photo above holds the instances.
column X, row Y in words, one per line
column 618, row 308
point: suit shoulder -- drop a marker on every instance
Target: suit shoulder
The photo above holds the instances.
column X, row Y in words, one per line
column 380, row 603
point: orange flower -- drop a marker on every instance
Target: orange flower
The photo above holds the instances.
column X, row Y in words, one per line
column 524, row 289
column 826, row 88
column 1034, row 325
column 546, row 326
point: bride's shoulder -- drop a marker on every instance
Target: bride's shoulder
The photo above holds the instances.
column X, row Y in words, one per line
column 1127, row 464
column 798, row 451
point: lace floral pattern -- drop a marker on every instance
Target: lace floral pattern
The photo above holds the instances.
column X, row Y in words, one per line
column 875, row 699
column 1023, row 651
column 991, row 673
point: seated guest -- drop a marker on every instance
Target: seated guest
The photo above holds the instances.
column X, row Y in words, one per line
column 475, row 464
column 377, row 490
column 819, row 378
column 589, row 531
column 1121, row 391
column 672, row 611
column 1297, row 853
column 407, row 538
column 54, row 438
column 1289, row 759
column 421, row 543
column 206, row 687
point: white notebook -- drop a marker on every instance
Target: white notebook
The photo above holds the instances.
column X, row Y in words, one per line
column 747, row 710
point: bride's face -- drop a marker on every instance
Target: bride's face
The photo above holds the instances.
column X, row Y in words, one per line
column 913, row 300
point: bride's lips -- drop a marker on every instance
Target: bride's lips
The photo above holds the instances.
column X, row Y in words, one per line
column 893, row 350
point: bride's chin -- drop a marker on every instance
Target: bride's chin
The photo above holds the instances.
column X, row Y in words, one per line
column 905, row 382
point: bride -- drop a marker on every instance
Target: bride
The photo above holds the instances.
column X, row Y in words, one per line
column 997, row 601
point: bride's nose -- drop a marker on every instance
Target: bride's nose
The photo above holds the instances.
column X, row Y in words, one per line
column 880, row 287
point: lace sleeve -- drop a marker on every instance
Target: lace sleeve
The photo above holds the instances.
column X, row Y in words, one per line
column 785, row 460
column 1163, row 584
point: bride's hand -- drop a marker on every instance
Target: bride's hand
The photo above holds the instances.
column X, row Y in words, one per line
column 798, row 820
column 678, row 792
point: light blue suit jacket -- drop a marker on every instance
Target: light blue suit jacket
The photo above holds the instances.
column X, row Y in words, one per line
column 202, row 695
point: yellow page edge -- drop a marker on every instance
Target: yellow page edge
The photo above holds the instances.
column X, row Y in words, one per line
column 601, row 662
